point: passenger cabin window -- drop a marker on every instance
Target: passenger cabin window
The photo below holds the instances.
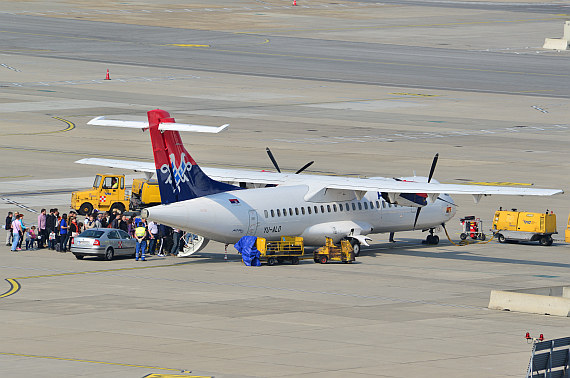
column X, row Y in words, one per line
column 316, row 210
column 377, row 204
column 329, row 208
column 334, row 207
column 278, row 212
column 353, row 206
column 266, row 213
column 359, row 205
column 309, row 209
column 383, row 204
column 296, row 211
column 272, row 213
column 322, row 209
column 284, row 212
column 303, row 210
column 290, row 212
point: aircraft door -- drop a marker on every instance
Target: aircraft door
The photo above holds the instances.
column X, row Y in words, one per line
column 252, row 229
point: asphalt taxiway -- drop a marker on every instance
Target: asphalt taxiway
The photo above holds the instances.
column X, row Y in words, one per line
column 364, row 89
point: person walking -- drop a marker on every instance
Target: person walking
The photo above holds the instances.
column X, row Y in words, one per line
column 42, row 230
column 8, row 228
column 63, row 234
column 17, row 233
column 141, row 235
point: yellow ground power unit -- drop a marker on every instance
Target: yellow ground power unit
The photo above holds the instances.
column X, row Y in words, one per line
column 521, row 225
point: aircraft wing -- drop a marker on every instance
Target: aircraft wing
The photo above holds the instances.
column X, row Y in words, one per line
column 337, row 183
column 220, row 174
column 395, row 186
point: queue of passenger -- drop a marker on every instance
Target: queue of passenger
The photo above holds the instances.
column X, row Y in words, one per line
column 55, row 231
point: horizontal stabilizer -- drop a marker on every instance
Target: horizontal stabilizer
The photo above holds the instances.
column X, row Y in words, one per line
column 192, row 128
column 102, row 121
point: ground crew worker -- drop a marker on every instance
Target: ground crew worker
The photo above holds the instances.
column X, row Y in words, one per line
column 140, row 236
column 115, row 184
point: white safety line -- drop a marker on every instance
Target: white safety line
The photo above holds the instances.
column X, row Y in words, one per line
column 18, row 205
column 97, row 81
column 183, row 10
column 426, row 135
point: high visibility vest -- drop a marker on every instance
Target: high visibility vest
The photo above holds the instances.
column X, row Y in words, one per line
column 140, row 232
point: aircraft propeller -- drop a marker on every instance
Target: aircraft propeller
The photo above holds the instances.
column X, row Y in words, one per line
column 432, row 169
column 277, row 165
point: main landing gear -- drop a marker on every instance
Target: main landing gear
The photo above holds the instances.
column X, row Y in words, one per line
column 431, row 239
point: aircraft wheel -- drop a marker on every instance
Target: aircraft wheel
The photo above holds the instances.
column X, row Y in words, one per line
column 356, row 247
column 463, row 236
column 501, row 238
column 271, row 261
column 435, row 240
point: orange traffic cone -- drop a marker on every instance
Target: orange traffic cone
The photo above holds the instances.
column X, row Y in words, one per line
column 107, row 76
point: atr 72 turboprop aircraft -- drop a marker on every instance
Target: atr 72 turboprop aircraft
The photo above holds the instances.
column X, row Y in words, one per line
column 270, row 204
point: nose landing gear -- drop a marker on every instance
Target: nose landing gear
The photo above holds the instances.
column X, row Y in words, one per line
column 431, row 239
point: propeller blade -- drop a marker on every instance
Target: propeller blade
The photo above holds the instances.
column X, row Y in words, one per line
column 272, row 159
column 417, row 216
column 433, row 164
column 304, row 167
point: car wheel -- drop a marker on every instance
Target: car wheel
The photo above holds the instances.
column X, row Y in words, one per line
column 500, row 238
column 294, row 260
column 483, row 237
column 463, row 236
column 109, row 253
column 323, row 259
column 271, row 261
column 79, row 257
column 544, row 241
column 85, row 209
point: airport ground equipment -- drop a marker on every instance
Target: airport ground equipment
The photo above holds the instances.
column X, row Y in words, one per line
column 331, row 252
column 109, row 192
column 524, row 226
column 549, row 358
column 567, row 234
column 472, row 228
column 287, row 248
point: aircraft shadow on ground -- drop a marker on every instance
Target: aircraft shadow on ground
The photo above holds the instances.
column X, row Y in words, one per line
column 413, row 247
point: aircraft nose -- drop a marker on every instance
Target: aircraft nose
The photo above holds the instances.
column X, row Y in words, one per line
column 174, row 214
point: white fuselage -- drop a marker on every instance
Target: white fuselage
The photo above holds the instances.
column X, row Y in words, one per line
column 283, row 210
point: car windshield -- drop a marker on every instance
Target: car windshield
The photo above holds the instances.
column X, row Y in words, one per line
column 91, row 234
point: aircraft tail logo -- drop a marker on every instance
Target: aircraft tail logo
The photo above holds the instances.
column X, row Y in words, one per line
column 179, row 177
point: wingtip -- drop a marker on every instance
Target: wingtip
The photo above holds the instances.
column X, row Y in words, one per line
column 93, row 121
